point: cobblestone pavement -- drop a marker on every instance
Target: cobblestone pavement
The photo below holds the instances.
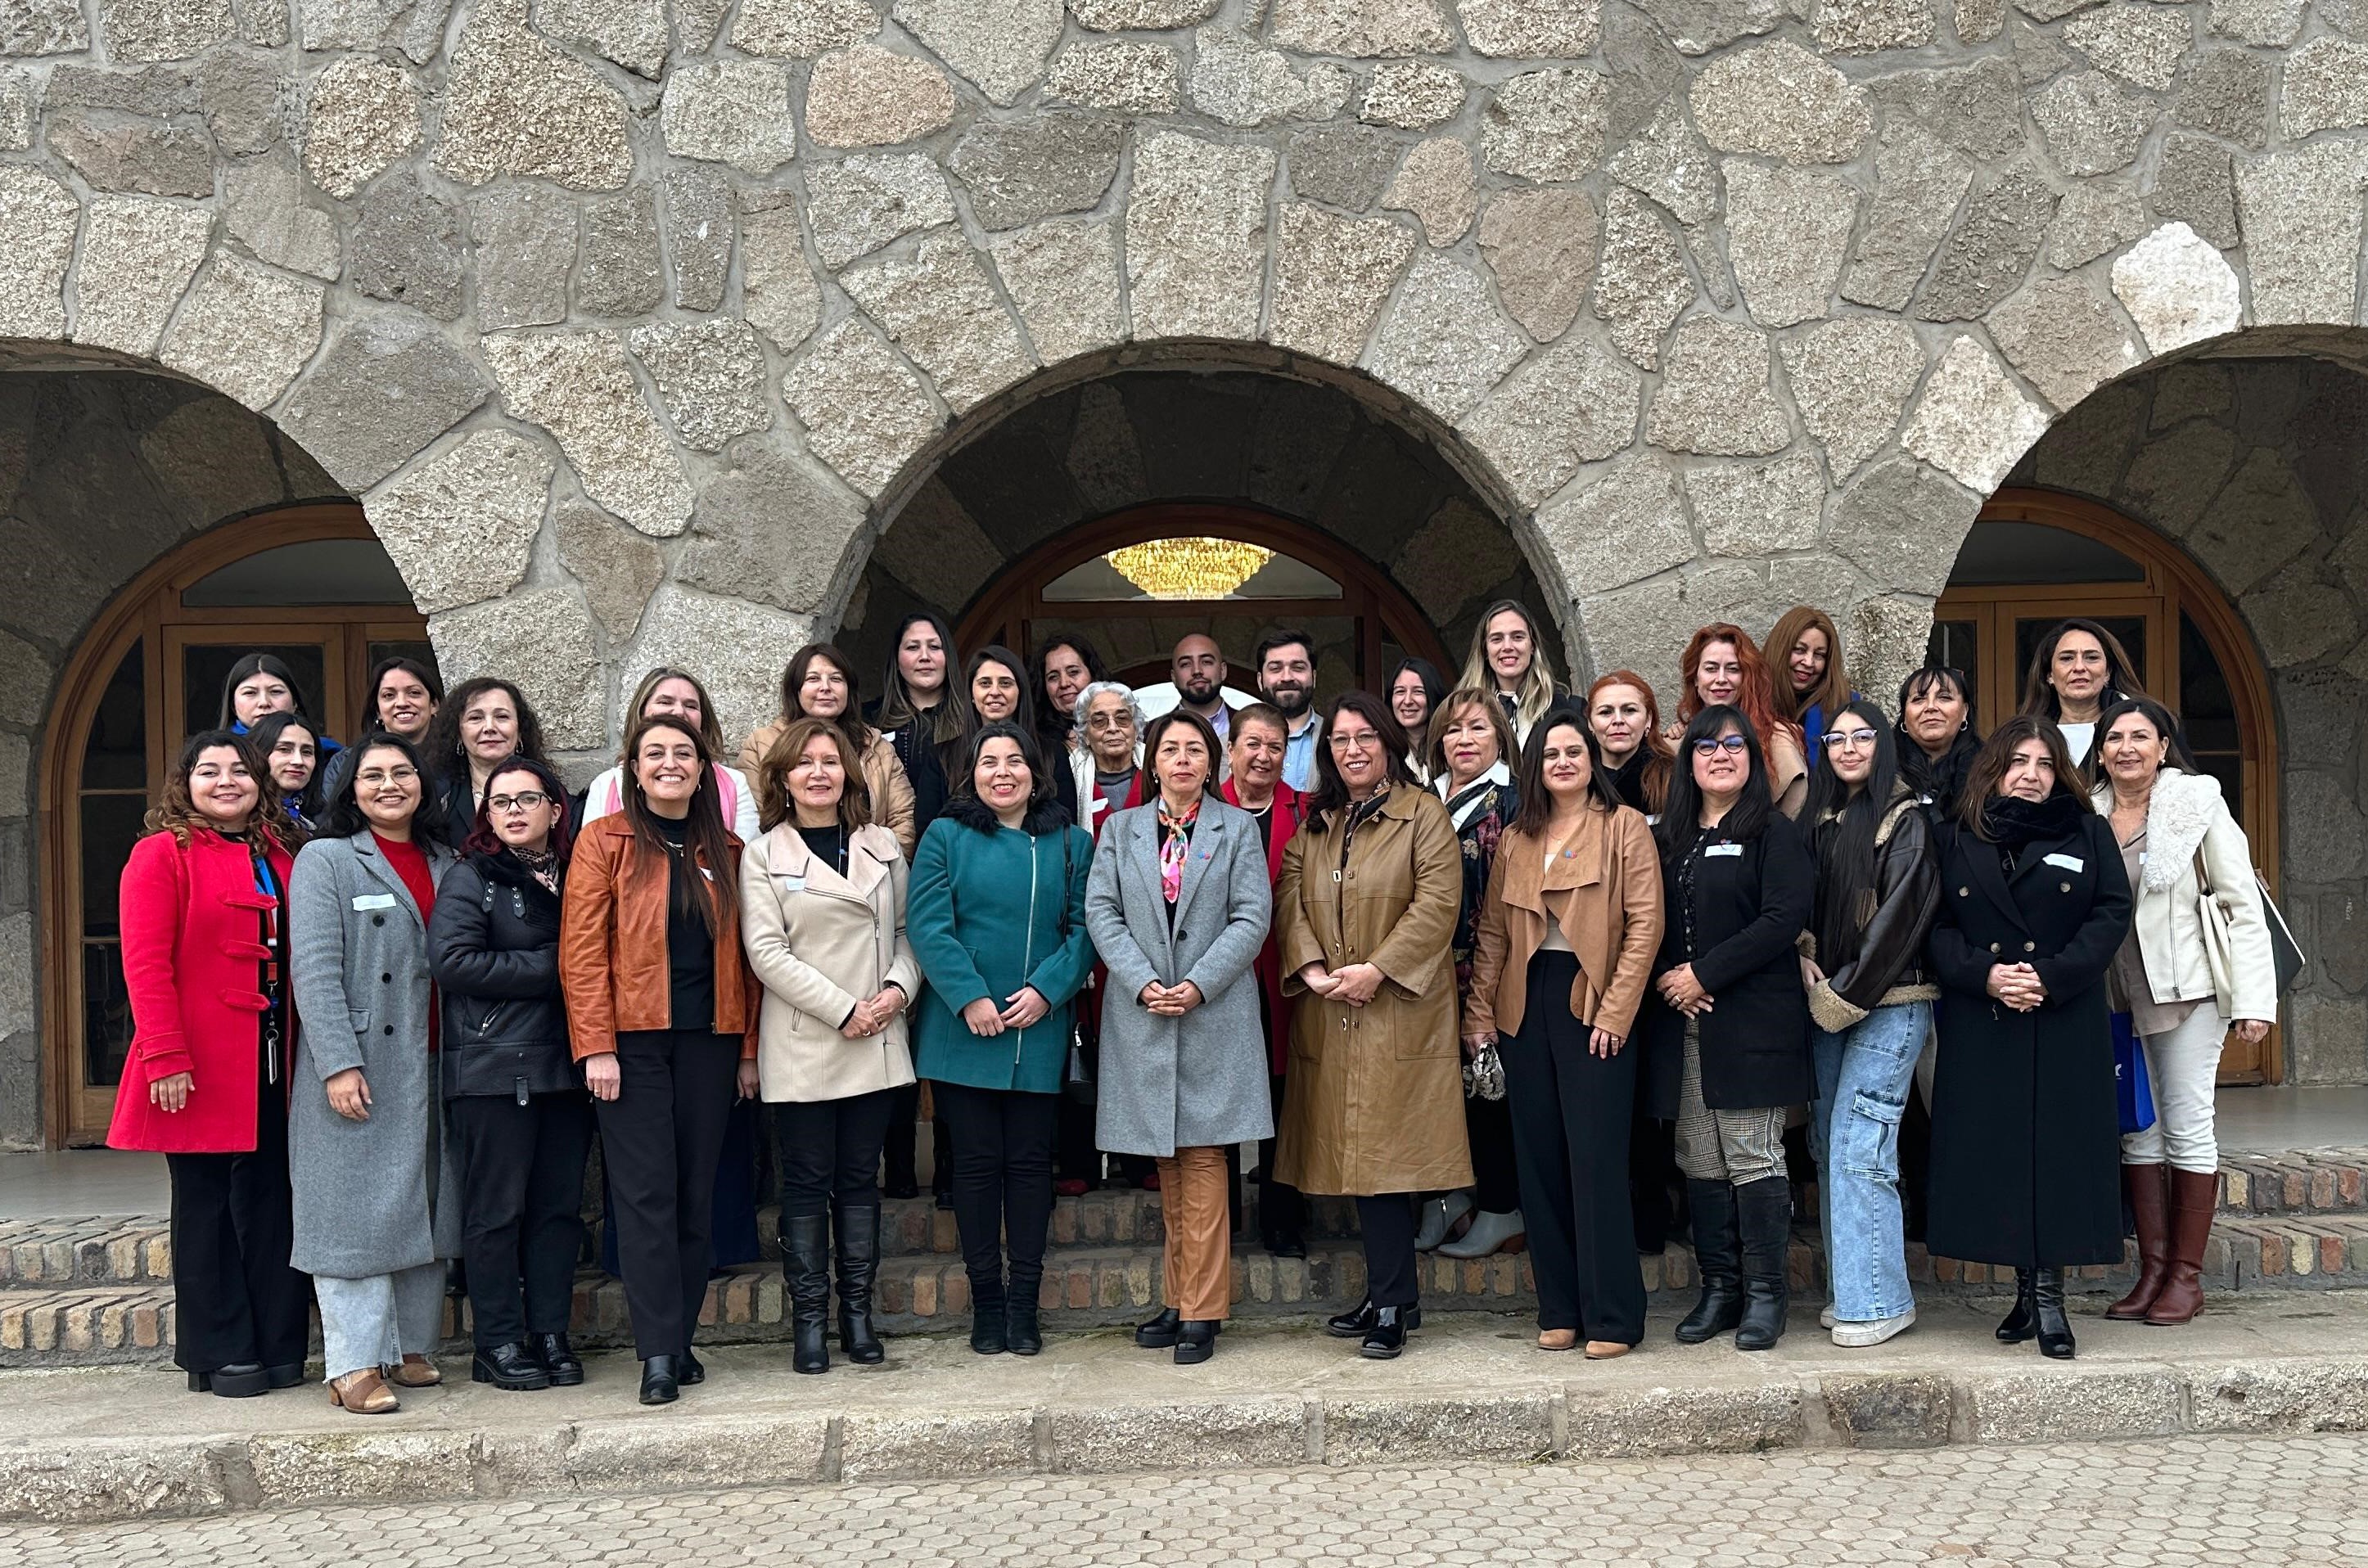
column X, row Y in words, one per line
column 2261, row 1501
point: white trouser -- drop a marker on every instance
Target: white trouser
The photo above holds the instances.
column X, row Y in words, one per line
column 375, row 1321
column 2182, row 1065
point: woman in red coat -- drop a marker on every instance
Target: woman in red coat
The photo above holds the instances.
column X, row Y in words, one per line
column 1254, row 783
column 205, row 965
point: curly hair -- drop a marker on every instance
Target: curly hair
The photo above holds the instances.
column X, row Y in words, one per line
column 176, row 812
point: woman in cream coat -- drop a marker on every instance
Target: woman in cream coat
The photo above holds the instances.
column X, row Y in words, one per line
column 823, row 905
column 2170, row 821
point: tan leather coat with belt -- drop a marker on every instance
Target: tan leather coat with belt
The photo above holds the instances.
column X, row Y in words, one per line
column 820, row 943
column 890, row 791
column 1373, row 1101
column 1603, row 890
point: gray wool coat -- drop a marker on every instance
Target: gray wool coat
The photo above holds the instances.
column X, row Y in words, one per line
column 378, row 1196
column 1169, row 1083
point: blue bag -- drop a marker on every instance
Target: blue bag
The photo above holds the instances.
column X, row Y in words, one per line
column 2133, row 1094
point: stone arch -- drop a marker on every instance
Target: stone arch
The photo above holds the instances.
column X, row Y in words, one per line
column 1331, row 449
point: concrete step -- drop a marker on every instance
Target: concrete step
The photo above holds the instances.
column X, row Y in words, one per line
column 119, row 1443
column 80, row 1323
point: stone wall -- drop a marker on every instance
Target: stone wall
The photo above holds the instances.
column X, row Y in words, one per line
column 2259, row 469
column 1285, row 443
column 1732, row 302
column 101, row 471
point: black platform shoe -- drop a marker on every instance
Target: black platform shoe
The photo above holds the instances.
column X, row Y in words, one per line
column 511, row 1367
column 558, row 1358
column 659, row 1382
column 1161, row 1332
column 1356, row 1321
column 1388, row 1336
column 240, row 1380
column 1196, row 1341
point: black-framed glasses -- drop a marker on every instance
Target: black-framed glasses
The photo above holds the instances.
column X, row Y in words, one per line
column 1836, row 739
column 1713, row 744
column 524, row 800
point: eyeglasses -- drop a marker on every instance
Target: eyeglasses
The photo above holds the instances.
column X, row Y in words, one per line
column 1361, row 740
column 524, row 800
column 1836, row 739
column 1713, row 746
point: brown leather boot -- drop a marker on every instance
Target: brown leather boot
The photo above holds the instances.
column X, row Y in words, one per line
column 2149, row 1195
column 2194, row 1195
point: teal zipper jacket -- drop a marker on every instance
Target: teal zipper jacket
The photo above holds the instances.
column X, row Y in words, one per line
column 988, row 913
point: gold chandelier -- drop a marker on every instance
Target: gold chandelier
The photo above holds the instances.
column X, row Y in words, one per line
column 1189, row 568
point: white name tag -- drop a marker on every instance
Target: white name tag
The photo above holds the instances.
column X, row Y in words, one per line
column 374, row 900
column 791, row 884
column 1726, row 849
column 2070, row 862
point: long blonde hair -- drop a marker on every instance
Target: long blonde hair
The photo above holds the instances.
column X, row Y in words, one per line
column 1539, row 686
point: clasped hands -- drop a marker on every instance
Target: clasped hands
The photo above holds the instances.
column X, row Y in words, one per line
column 2018, row 985
column 1022, row 1009
column 1353, row 983
column 873, row 1014
column 1682, row 991
column 1170, row 1001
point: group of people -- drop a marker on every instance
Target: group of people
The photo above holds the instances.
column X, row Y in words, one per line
column 1487, row 959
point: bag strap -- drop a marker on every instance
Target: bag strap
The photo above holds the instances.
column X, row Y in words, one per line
column 2202, row 875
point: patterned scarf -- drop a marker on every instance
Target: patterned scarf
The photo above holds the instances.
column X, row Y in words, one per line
column 1175, row 844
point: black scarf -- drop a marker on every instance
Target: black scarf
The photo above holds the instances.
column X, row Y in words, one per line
column 2012, row 823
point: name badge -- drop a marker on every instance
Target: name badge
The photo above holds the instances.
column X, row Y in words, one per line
column 2070, row 862
column 791, row 884
column 374, row 900
column 1726, row 850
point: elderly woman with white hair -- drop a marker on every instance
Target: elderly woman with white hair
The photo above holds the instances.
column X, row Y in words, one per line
column 1106, row 751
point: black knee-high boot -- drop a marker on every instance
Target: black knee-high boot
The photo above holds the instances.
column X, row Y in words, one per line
column 1765, row 1209
column 1718, row 1258
column 2047, row 1308
column 2021, row 1320
column 858, row 1230
column 806, row 1259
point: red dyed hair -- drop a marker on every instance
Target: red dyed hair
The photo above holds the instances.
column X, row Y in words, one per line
column 1660, row 755
column 1756, row 697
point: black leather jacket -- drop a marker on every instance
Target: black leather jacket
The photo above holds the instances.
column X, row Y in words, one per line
column 493, row 949
column 1889, row 965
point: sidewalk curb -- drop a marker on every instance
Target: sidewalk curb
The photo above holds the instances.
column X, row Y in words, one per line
column 95, row 1479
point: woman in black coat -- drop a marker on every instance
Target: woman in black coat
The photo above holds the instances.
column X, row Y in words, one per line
column 521, row 1123
column 2026, row 1139
column 1727, row 1033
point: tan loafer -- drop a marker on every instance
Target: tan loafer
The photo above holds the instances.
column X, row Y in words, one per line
column 417, row 1373
column 363, row 1394
column 1558, row 1339
column 1606, row 1349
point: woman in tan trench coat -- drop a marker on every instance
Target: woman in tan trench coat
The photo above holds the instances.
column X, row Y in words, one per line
column 1373, row 1103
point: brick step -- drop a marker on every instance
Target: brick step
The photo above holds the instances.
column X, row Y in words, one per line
column 1094, row 1286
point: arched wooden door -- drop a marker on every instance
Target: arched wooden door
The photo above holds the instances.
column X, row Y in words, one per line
column 309, row 583
column 2036, row 557
column 1363, row 622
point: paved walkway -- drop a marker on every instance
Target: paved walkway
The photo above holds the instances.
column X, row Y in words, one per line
column 2266, row 1503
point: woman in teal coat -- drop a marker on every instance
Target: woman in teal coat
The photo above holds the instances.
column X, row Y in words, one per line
column 996, row 915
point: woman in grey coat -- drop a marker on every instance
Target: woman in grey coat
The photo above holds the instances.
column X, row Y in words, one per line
column 1177, row 904
column 365, row 1147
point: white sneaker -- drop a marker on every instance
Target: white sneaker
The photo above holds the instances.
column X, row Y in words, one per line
column 1825, row 1318
column 1860, row 1334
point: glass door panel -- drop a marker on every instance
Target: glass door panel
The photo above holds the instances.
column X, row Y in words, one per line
column 111, row 799
column 2132, row 631
column 205, row 665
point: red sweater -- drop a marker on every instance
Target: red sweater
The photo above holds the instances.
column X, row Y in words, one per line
column 191, row 946
column 410, row 863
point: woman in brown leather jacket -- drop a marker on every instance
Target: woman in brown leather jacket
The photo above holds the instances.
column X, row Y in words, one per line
column 662, row 1015
column 1567, row 935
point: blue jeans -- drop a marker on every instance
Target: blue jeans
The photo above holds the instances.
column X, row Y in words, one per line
column 1862, row 1079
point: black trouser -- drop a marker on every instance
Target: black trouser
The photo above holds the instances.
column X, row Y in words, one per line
column 235, row 1298
column 1652, row 1167
column 1386, row 1223
column 900, row 1147
column 1571, row 1110
column 830, row 1151
column 1076, row 1159
column 1488, row 1128
column 521, row 1209
column 662, row 1136
column 1003, row 1184
column 1282, row 1209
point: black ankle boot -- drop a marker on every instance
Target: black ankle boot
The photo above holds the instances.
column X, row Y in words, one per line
column 1022, row 1334
column 1358, row 1320
column 1718, row 1258
column 1196, row 1341
column 805, row 1268
column 1160, row 1332
column 658, row 1385
column 511, row 1367
column 558, row 1358
column 858, row 1234
column 989, row 1319
column 1764, row 1214
column 2022, row 1321
column 2047, row 1308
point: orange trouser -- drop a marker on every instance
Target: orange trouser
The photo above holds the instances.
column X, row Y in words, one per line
column 1198, row 1272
